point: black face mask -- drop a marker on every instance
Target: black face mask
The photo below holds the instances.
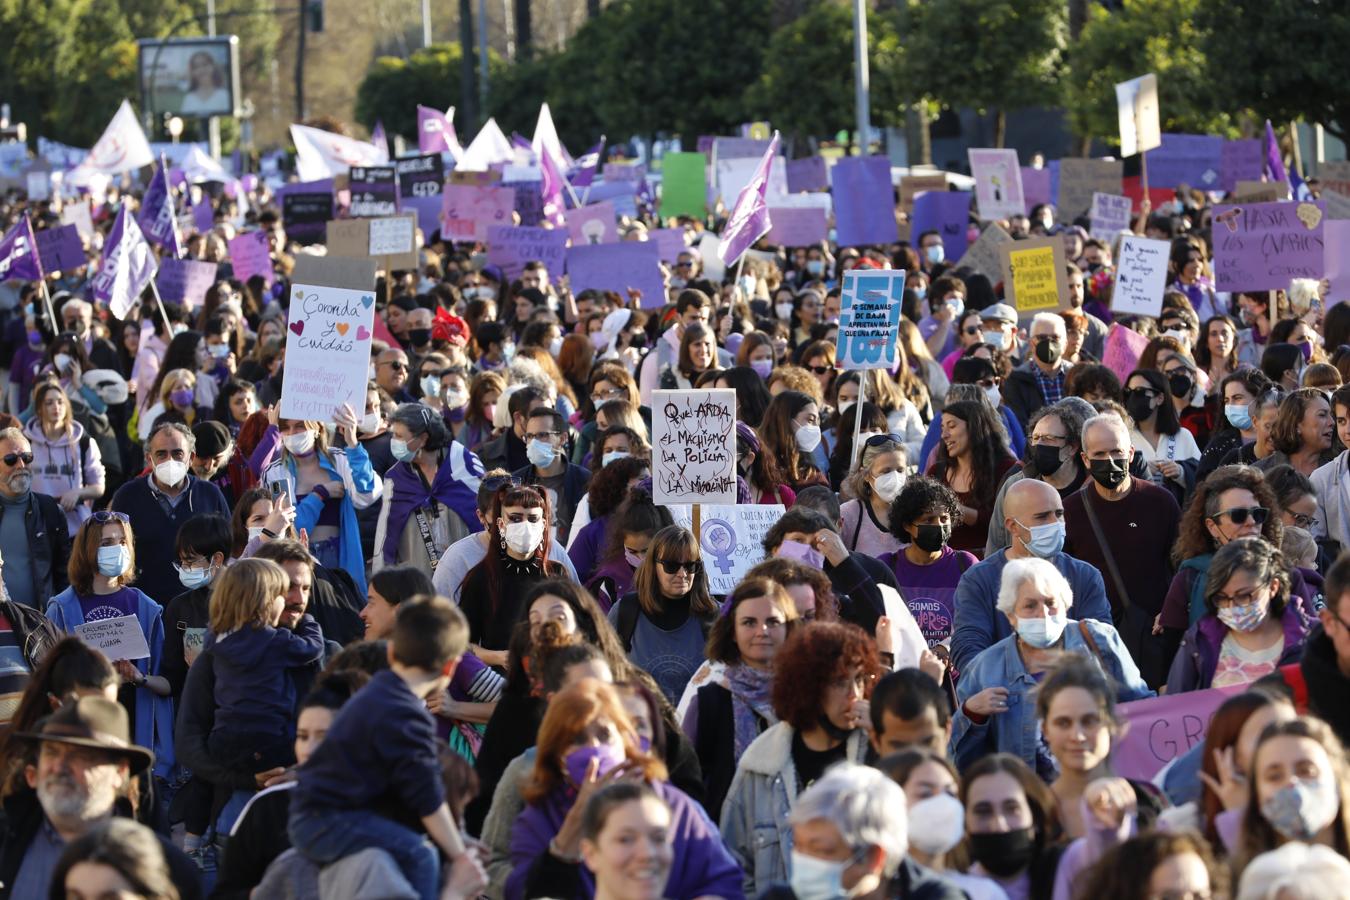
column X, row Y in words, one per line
column 1049, row 352
column 1181, row 384
column 1109, row 473
column 1046, row 459
column 1003, row 854
column 1139, row 407
column 638, row 341
column 419, row 336
column 931, row 538
column 834, row 731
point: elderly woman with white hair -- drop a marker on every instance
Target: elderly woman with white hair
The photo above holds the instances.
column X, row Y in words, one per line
column 1297, row 871
column 850, row 833
column 997, row 710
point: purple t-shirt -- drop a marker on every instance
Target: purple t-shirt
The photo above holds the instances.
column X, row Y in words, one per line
column 109, row 606
column 930, row 591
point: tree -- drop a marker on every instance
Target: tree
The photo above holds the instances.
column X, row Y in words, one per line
column 987, row 54
column 1279, row 58
column 431, row 76
column 1158, row 36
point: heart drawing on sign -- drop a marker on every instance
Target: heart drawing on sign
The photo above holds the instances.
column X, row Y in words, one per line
column 298, row 327
column 367, row 300
column 342, row 328
column 362, row 333
column 1309, row 215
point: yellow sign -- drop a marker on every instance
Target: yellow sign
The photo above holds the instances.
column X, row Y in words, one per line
column 1034, row 275
column 760, row 131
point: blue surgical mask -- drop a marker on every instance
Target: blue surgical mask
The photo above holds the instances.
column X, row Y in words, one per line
column 113, row 561
column 935, row 254
column 195, row 578
column 400, row 450
column 1238, row 415
column 431, row 386
column 1045, row 540
column 958, row 305
column 540, row 453
column 1043, row 632
column 612, row 455
column 815, row 266
column 817, row 879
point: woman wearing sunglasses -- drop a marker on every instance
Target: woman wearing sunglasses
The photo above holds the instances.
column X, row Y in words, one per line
column 664, row 622
column 1169, row 450
column 875, row 484
column 1251, row 625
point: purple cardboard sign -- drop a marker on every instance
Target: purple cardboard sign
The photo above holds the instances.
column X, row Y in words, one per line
column 1163, row 728
column 203, row 216
column 623, row 171
column 796, row 226
column 807, row 175
column 250, row 254
column 1239, row 161
column 1260, row 246
column 428, row 211
column 468, row 210
column 529, row 201
column 670, row 241
column 740, row 148
column 511, row 247
column 864, row 201
column 306, row 208
column 185, row 281
column 947, row 213
column 592, row 224
column 619, row 267
column 61, row 249
column 705, row 143
column 1192, row 159
column 1036, row 187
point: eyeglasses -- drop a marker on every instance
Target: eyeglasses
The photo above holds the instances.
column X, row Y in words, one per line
column 1242, row 598
column 971, row 330
column 1238, row 515
column 12, row 458
column 1045, row 338
column 820, row 370
column 542, row 435
column 673, row 566
column 1301, row 520
column 104, row 516
column 1050, row 440
column 684, row 265
column 396, row 365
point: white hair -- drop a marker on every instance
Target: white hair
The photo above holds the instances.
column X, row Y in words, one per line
column 1303, row 293
column 1053, row 320
column 1296, row 871
column 867, row 807
column 1044, row 576
column 1106, row 420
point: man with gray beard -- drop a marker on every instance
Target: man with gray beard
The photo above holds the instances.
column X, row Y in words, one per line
column 83, row 767
column 34, row 539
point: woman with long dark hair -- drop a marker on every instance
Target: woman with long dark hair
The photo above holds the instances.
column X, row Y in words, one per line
column 1217, row 351
column 1169, row 450
column 628, row 534
column 971, row 458
column 790, row 433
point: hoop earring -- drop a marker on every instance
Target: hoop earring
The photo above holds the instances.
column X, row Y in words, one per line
column 503, row 540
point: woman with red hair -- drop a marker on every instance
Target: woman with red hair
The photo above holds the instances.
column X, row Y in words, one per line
column 587, row 741
column 823, row 675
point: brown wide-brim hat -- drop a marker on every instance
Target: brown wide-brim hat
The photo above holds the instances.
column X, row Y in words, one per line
column 95, row 722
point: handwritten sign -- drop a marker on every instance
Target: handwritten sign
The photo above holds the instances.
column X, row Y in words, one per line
column 796, row 226
column 511, row 247
column 947, row 213
column 732, row 538
column 306, row 209
column 592, row 224
column 1162, row 729
column 983, row 255
column 1034, row 278
column 374, row 191
column 250, row 253
column 1123, row 348
column 694, row 446
column 467, row 211
column 1141, row 277
column 420, row 176
column 998, row 183
column 1260, row 246
column 184, row 281
column 1079, row 179
column 117, row 638
column 1110, row 215
column 61, row 249
column 328, row 345
column 808, row 174
column 392, row 236
column 869, row 318
column 1137, row 111
column 621, row 267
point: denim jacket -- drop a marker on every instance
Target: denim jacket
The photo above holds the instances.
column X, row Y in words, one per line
column 1016, row 730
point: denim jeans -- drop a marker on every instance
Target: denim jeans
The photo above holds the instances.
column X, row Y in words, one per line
column 327, row 837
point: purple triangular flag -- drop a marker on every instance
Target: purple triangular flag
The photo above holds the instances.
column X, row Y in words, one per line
column 583, row 173
column 127, row 266
column 158, row 219
column 19, row 258
column 749, row 220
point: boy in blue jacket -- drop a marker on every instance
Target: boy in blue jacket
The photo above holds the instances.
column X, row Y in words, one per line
column 382, row 748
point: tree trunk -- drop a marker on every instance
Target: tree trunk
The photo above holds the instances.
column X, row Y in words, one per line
column 1077, row 18
column 300, row 65
column 918, row 135
column 1000, row 126
column 524, row 30
column 468, row 97
column 592, row 8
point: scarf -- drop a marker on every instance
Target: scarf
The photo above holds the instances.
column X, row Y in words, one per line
column 455, row 485
column 750, row 702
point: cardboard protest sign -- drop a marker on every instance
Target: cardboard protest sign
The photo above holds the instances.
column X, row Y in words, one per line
column 203, row 216
column 374, row 191
column 1190, row 159
column 511, row 247
column 947, row 213
column 670, row 241
column 1110, row 215
column 983, row 255
column 1259, row 192
column 529, row 201
column 1260, row 246
column 864, row 204
column 1338, row 205
column 1034, row 278
column 78, row 214
column 61, row 249
column 1332, row 174
column 391, row 239
column 117, row 638
column 1239, row 161
column 694, row 446
column 732, row 175
column 739, row 148
column 713, row 267
column 998, row 183
column 624, row 171
column 627, row 265
column 869, row 318
column 1036, row 188
column 250, row 253
column 1141, row 277
column 1164, row 728
column 306, row 209
column 1337, row 260
column 592, row 224
column 1079, row 179
column 467, row 211
column 809, row 174
column 1123, row 348
column 332, row 317
column 420, row 176
column 184, row 281
column 684, row 185
column 38, row 185
column 1137, row 110
column 427, row 210
column 796, row 227
column 732, row 538
column 912, row 186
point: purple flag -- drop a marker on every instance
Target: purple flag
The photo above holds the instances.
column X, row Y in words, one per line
column 18, row 253
column 1274, row 167
column 554, row 204
column 749, row 220
column 377, row 137
column 128, row 265
column 434, row 131
column 583, row 173
column 158, row 219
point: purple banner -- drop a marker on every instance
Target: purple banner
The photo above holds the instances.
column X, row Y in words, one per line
column 250, row 254
column 1239, row 161
column 184, row 281
column 306, row 207
column 628, row 265
column 1191, row 159
column 1260, row 246
column 1163, row 728
column 796, row 226
column 807, row 175
column 670, row 241
column 512, row 247
column 61, row 249
column 1036, row 188
column 947, row 213
column 864, row 201
column 374, row 192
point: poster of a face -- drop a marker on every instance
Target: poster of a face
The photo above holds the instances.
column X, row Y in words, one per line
column 190, row 78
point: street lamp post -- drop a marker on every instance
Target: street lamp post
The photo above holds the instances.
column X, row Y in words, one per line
column 864, row 119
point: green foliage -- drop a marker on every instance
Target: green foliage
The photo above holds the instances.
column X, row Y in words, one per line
column 1159, row 36
column 393, row 87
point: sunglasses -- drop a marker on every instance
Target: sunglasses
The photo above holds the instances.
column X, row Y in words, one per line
column 673, row 566
column 878, row 440
column 104, row 516
column 12, row 458
column 1238, row 515
column 1141, row 392
column 971, row 330
column 497, row 482
column 820, row 370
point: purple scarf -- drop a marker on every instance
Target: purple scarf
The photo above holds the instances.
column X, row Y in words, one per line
column 750, row 702
column 456, row 485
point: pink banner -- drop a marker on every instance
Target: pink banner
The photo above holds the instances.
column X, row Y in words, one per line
column 467, row 211
column 1161, row 729
column 250, row 255
column 1123, row 349
column 592, row 224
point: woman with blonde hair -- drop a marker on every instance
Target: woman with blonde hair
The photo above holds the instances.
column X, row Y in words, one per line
column 177, row 395
column 66, row 463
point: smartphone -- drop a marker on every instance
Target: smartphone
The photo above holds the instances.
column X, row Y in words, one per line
column 278, row 488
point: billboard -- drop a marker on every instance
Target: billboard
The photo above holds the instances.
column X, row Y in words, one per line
column 190, row 77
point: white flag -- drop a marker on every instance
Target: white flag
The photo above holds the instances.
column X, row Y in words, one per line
column 490, row 146
column 546, row 139
column 127, row 266
column 322, row 154
column 123, row 146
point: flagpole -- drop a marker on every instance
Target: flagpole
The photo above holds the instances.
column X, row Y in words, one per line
column 854, row 455
column 42, row 275
column 154, row 289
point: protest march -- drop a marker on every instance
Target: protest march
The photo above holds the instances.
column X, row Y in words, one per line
column 710, row 519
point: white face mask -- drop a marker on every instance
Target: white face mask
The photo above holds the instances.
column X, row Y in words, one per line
column 808, row 438
column 255, row 532
column 995, row 396
column 555, row 347
column 889, row 485
column 171, row 472
column 997, row 338
column 784, row 311
column 524, row 537
column 61, row 361
column 370, row 423
column 944, row 823
column 300, row 443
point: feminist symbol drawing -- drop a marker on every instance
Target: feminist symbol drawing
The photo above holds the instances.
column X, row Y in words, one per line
column 720, row 543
